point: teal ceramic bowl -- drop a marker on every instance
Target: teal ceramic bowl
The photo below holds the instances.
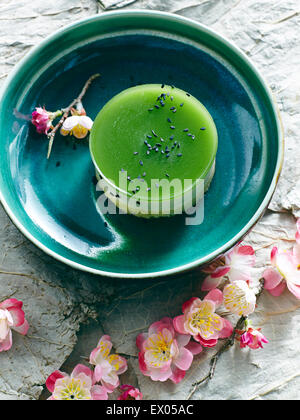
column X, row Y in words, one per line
column 54, row 202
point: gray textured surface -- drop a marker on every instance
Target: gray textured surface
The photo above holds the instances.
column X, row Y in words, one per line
column 59, row 300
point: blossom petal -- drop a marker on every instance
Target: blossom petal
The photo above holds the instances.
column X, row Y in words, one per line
column 206, row 343
column 70, row 123
column 294, row 289
column 6, row 344
column 187, row 305
column 99, row 392
column 277, row 291
column 142, row 364
column 11, row 303
column 82, row 369
column 22, row 329
column 215, row 296
column 210, row 283
column 184, row 359
column 178, row 323
column 227, row 329
column 141, row 338
column 220, row 272
column 246, row 250
column 272, row 278
column 86, row 122
column 182, row 340
column 158, row 326
column 18, row 316
column 50, row 382
column 177, row 375
column 194, row 348
column 274, row 253
column 160, row 375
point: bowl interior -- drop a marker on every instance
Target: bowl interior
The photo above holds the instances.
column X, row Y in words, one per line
column 55, row 201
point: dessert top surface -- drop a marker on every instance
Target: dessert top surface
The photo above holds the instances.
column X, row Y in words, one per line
column 153, row 132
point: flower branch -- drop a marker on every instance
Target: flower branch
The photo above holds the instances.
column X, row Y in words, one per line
column 78, row 124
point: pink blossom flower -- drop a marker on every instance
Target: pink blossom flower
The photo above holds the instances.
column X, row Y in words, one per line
column 239, row 299
column 200, row 320
column 252, row 338
column 165, row 354
column 285, row 271
column 78, row 386
column 11, row 317
column 130, row 393
column 236, row 265
column 42, row 119
column 108, row 366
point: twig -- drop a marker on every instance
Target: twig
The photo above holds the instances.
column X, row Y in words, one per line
column 66, row 112
column 213, row 362
column 226, row 346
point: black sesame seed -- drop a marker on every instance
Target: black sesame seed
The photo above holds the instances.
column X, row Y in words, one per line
column 193, row 137
column 179, row 154
column 138, row 203
column 175, row 142
column 105, row 224
column 161, row 139
column 158, row 144
column 169, row 120
column 188, row 94
column 156, row 106
column 146, row 143
column 122, row 170
column 174, row 110
column 129, row 179
column 190, row 134
column 149, row 137
column 154, row 134
column 172, row 97
column 150, row 109
column 148, row 152
column 162, row 103
column 182, row 104
column 172, row 107
column 167, row 175
column 172, row 127
column 172, row 86
column 135, row 153
column 148, row 189
column 141, row 163
column 185, row 130
column 202, row 128
column 162, row 86
column 168, row 155
column 144, row 174
column 156, row 149
column 57, row 164
column 171, row 137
